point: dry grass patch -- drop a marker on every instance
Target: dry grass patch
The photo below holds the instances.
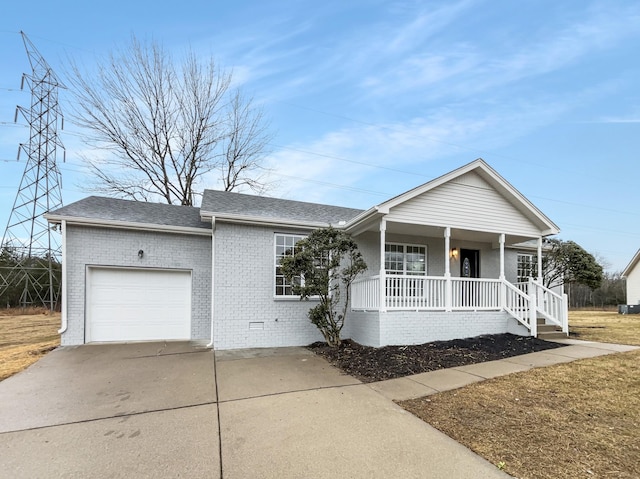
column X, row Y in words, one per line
column 25, row 338
column 574, row 420
column 605, row 326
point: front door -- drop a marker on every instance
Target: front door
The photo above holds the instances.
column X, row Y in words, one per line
column 469, row 268
column 469, row 263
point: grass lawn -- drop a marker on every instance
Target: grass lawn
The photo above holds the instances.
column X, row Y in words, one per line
column 605, row 326
column 25, row 338
column 573, row 420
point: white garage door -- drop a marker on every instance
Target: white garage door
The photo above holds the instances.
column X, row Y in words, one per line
column 138, row 304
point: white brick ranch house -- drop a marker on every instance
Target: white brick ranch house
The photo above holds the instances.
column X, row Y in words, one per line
column 445, row 260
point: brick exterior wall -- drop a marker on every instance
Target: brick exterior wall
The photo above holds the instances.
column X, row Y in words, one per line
column 411, row 327
column 363, row 327
column 417, row 327
column 93, row 246
column 246, row 312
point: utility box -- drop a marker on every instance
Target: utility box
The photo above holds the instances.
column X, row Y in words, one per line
column 629, row 309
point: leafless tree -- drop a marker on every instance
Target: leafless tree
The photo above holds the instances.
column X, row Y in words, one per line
column 158, row 127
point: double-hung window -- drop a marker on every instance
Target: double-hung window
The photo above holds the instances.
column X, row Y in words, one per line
column 405, row 259
column 285, row 245
column 527, row 267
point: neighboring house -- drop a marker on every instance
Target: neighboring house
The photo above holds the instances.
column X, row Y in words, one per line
column 632, row 275
column 443, row 263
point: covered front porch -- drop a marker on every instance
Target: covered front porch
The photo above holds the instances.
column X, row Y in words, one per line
column 444, row 258
column 466, row 275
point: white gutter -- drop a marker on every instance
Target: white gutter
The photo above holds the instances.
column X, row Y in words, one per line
column 63, row 290
column 128, row 224
column 257, row 220
column 213, row 273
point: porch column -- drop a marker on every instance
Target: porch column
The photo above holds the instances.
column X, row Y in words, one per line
column 447, row 269
column 502, row 238
column 503, row 292
column 383, row 280
column 540, row 259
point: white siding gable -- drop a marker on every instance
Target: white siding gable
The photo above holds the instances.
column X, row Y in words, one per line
column 466, row 202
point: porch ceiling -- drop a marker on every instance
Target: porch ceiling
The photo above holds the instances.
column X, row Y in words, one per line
column 432, row 231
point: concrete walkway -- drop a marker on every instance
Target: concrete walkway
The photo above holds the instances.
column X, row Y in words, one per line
column 173, row 410
column 446, row 379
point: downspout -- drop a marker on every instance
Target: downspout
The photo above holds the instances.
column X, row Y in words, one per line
column 63, row 290
column 213, row 274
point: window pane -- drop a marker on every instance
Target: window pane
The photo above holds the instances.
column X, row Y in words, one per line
column 405, row 259
column 416, row 260
column 284, row 246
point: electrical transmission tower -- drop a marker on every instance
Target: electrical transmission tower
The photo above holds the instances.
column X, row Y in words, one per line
column 30, row 258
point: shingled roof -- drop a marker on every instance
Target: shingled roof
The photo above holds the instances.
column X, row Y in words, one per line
column 228, row 204
column 128, row 211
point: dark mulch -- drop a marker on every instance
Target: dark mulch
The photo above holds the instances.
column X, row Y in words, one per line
column 376, row 364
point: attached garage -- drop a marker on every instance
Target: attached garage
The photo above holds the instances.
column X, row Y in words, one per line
column 137, row 304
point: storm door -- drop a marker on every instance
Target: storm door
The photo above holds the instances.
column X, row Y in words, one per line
column 469, row 268
column 469, row 263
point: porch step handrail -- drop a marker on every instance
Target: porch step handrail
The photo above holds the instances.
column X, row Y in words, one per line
column 550, row 305
column 518, row 304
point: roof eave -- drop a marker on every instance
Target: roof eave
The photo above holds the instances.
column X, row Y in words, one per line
column 103, row 223
column 631, row 264
column 265, row 221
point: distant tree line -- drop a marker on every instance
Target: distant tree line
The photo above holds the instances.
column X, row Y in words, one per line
column 26, row 281
column 585, row 281
column 612, row 291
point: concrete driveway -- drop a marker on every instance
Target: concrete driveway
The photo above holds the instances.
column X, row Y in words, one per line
column 174, row 410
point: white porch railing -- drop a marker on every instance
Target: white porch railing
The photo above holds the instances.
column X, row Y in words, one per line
column 415, row 292
column 365, row 293
column 550, row 305
column 524, row 301
column 474, row 293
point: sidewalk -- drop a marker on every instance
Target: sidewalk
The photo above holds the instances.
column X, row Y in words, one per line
column 425, row 384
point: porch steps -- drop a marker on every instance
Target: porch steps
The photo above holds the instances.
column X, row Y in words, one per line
column 549, row 331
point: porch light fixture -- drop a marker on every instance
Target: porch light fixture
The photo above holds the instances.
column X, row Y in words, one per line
column 140, row 254
column 453, row 254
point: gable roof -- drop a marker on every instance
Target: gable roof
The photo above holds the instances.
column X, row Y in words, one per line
column 252, row 209
column 245, row 208
column 488, row 174
column 632, row 264
column 114, row 212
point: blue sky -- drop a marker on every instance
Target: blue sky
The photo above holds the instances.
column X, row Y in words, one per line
column 370, row 98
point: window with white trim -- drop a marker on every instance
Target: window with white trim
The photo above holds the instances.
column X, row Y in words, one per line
column 527, row 267
column 405, row 259
column 285, row 245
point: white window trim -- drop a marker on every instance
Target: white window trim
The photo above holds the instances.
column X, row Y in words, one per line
column 280, row 297
column 404, row 257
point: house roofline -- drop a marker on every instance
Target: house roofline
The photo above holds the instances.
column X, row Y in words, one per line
column 632, row 264
column 503, row 184
column 133, row 225
column 262, row 221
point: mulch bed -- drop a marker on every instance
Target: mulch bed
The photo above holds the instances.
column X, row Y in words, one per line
column 376, row 364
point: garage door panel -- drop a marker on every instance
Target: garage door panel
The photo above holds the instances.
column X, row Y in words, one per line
column 138, row 305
